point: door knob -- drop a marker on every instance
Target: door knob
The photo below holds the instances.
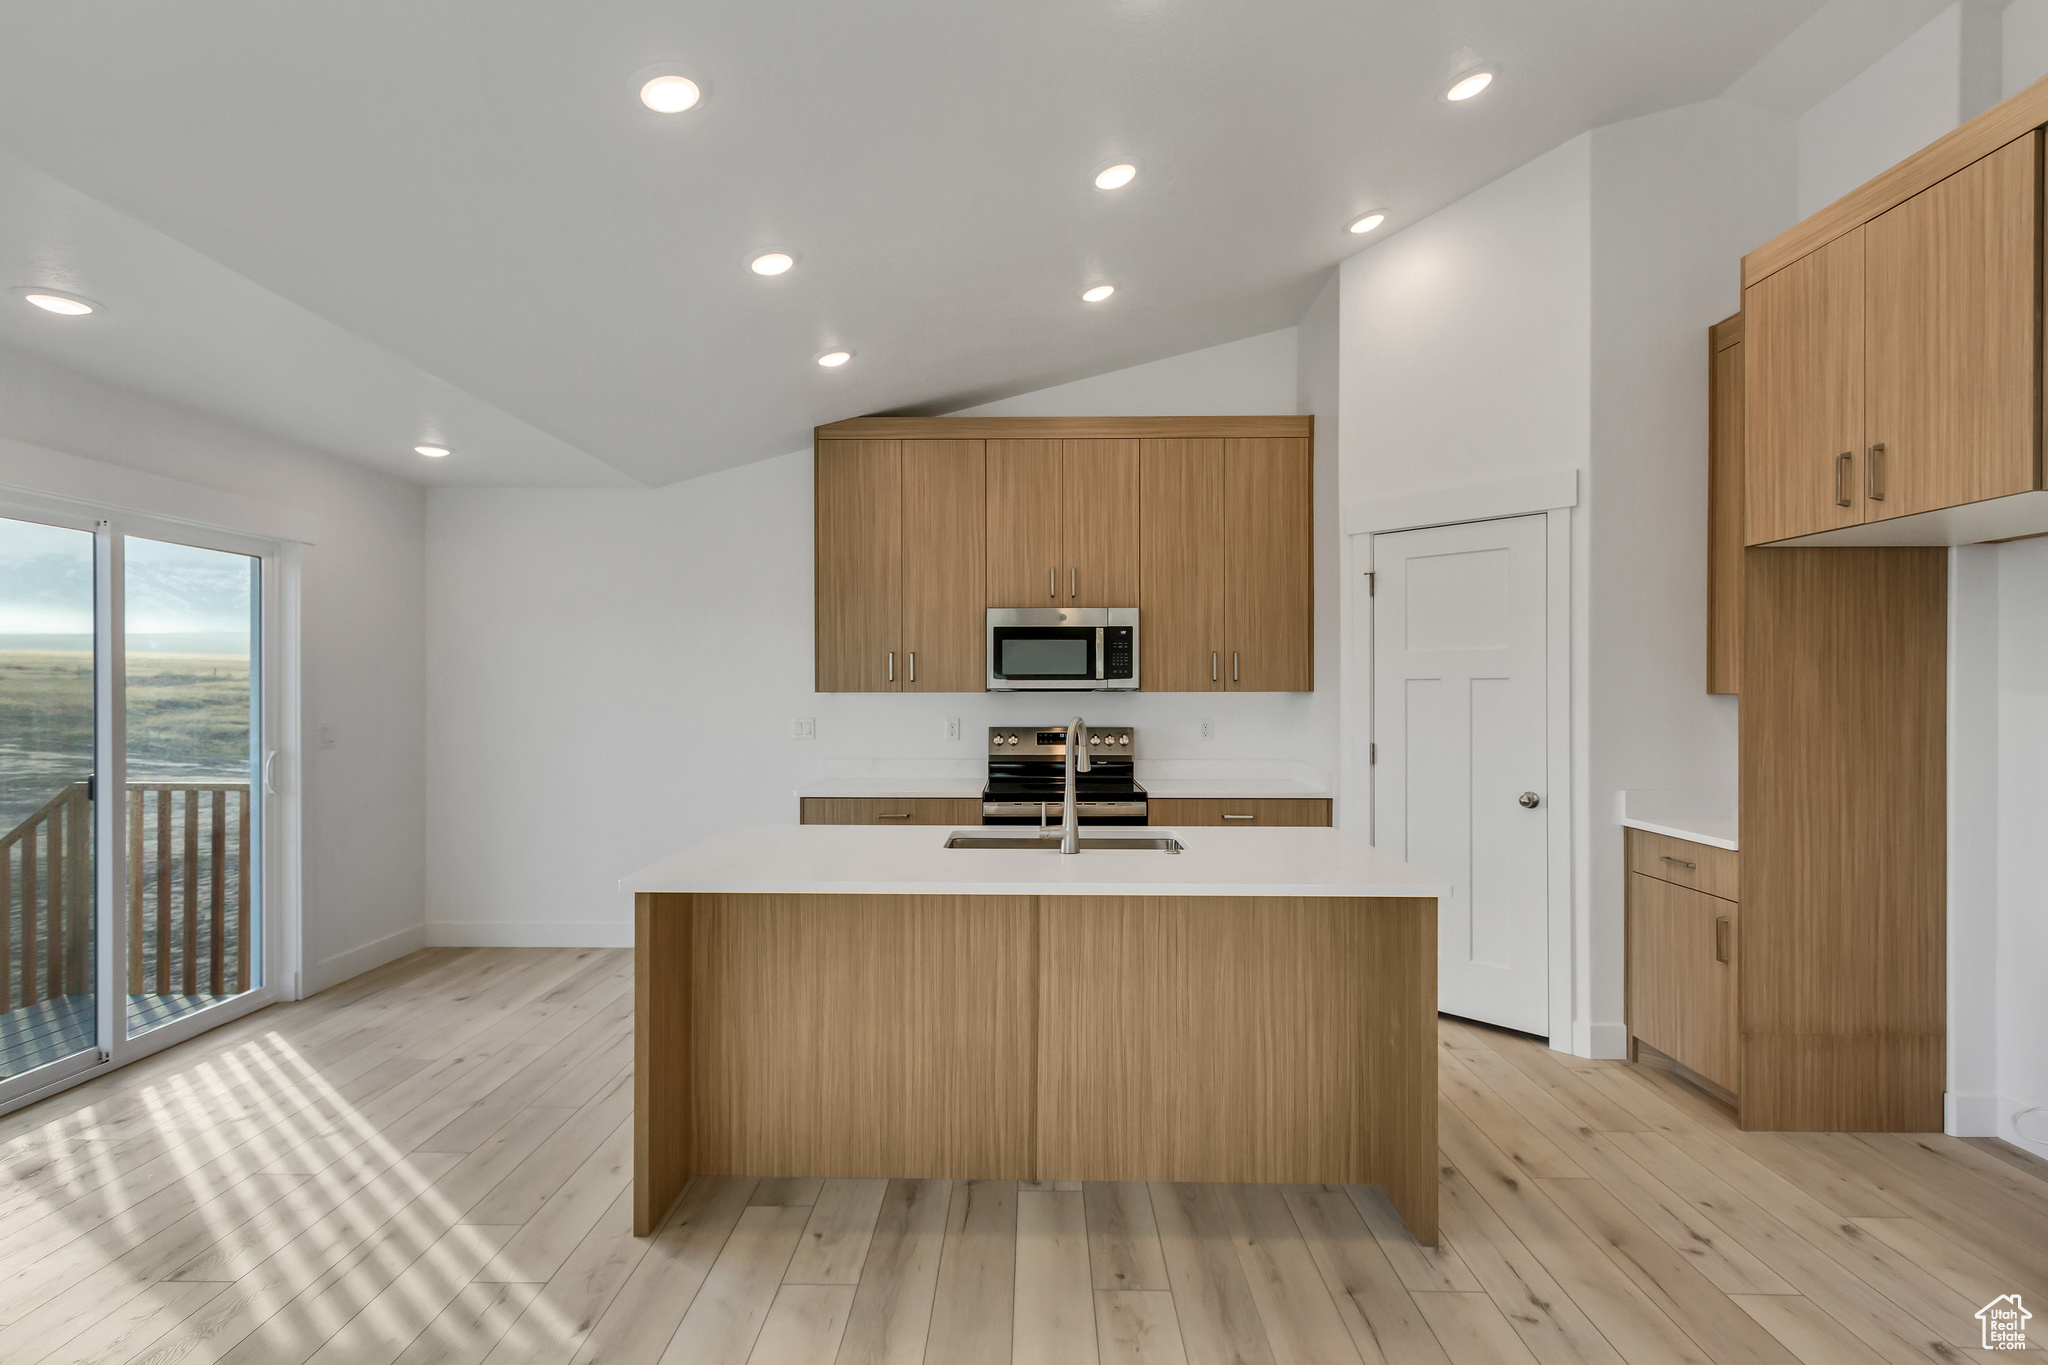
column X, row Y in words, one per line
column 1531, row 800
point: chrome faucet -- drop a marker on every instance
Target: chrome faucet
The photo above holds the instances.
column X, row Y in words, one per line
column 1077, row 761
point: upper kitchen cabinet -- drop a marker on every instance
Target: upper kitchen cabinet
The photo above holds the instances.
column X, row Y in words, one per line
column 1205, row 524
column 899, row 565
column 1229, row 544
column 1803, row 394
column 1181, row 615
column 1953, row 363
column 1725, row 352
column 1893, row 354
column 1062, row 523
column 1269, row 564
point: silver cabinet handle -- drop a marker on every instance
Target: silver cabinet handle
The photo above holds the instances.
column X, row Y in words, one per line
column 1240, row 817
column 1873, row 484
column 1721, row 939
column 1073, row 576
column 1842, row 460
column 892, row 815
column 1678, row 862
column 1530, row 800
column 892, row 665
column 1213, row 674
column 1052, row 582
column 913, row 665
column 1233, row 665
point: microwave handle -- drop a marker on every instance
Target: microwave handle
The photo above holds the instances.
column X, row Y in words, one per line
column 1098, row 654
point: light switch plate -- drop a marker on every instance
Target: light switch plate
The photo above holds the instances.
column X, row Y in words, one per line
column 804, row 727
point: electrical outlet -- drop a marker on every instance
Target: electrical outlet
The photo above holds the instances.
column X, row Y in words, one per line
column 804, row 727
column 327, row 739
column 1208, row 729
column 952, row 727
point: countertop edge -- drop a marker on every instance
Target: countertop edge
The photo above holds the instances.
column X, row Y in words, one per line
column 1249, row 891
column 1691, row 836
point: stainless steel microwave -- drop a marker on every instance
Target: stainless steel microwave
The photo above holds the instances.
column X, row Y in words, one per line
column 1068, row 649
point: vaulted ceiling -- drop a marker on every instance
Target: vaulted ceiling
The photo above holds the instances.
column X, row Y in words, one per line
column 371, row 223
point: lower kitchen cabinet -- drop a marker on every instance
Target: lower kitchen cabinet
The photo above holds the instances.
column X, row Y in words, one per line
column 878, row 810
column 1211, row 811
column 1682, row 962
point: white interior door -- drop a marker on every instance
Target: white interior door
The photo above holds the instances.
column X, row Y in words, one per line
column 1459, row 720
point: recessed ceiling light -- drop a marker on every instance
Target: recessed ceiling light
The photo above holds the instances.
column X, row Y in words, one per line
column 433, row 452
column 1369, row 221
column 771, row 263
column 1468, row 85
column 670, row 94
column 832, row 360
column 1098, row 293
column 64, row 305
column 1115, row 177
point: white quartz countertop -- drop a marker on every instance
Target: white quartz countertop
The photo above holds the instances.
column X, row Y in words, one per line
column 1718, row 833
column 852, row 860
column 1228, row 788
column 898, row 788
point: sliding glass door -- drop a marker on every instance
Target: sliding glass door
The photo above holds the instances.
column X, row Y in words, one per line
column 194, row 730
column 48, row 978
column 131, row 664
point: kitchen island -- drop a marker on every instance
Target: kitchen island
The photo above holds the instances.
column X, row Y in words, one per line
column 832, row 1000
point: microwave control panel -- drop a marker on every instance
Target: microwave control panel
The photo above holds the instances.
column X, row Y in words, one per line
column 1116, row 651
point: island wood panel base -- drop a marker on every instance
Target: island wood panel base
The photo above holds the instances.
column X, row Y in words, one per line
column 1184, row 1038
column 1218, row 1039
column 891, row 810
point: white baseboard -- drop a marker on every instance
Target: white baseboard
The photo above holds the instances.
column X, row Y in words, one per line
column 1600, row 1042
column 479, row 933
column 332, row 971
column 1995, row 1116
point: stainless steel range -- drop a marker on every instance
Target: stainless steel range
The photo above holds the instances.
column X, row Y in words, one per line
column 1027, row 771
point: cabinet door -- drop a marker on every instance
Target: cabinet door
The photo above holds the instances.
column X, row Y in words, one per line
column 1803, row 395
column 1026, row 546
column 1952, row 366
column 1269, row 565
column 1181, row 553
column 859, row 503
column 1681, row 993
column 1724, row 507
column 1099, row 513
column 945, row 572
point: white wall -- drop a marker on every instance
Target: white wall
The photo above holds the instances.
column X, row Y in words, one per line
column 1677, row 197
column 2021, row 954
column 362, row 654
column 1466, row 358
column 1947, row 72
column 612, row 675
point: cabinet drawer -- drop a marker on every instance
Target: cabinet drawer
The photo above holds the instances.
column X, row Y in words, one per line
column 1251, row 813
column 881, row 810
column 1684, row 863
column 1681, row 993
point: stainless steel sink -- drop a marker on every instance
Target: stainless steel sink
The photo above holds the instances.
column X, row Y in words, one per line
column 1152, row 843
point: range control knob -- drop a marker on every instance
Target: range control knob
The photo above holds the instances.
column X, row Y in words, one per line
column 1125, row 741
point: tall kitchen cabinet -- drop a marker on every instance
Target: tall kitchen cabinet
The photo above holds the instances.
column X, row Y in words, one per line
column 900, row 562
column 1894, row 369
column 1228, row 576
column 1062, row 523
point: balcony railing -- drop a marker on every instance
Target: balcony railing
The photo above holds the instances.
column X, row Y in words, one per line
column 189, row 895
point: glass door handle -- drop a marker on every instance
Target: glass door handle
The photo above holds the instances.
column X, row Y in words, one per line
column 270, row 772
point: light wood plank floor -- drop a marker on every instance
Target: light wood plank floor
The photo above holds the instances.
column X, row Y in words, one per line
column 431, row 1164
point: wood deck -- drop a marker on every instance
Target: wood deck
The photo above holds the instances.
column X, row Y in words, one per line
column 432, row 1163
